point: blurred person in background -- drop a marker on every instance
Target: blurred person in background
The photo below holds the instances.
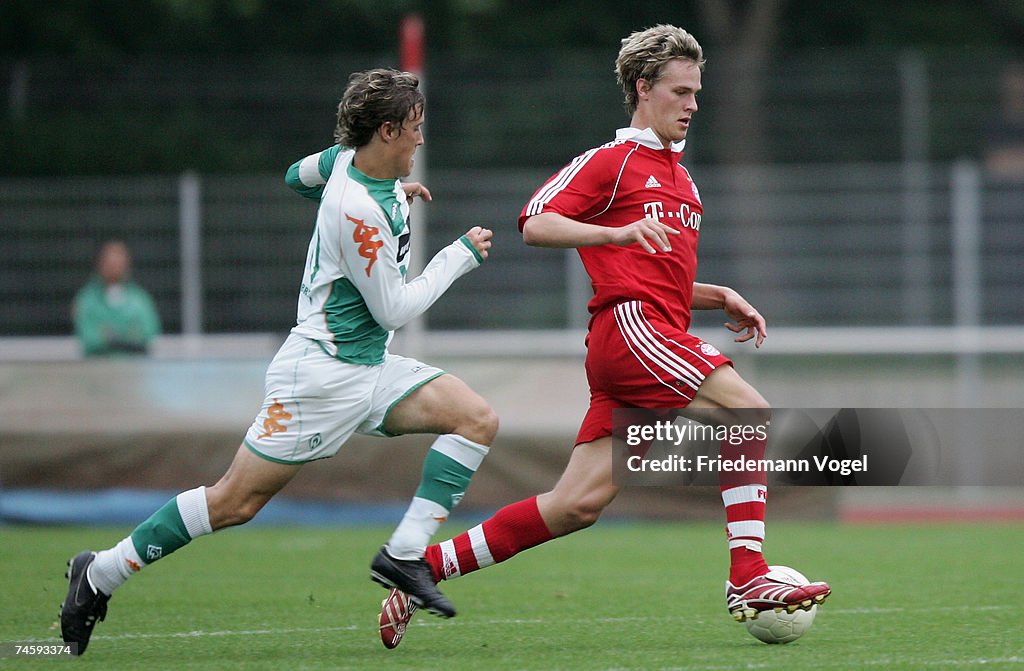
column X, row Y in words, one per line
column 1004, row 152
column 114, row 315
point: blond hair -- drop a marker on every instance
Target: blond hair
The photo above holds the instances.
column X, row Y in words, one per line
column 645, row 52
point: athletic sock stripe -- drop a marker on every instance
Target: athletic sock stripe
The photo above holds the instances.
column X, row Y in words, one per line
column 465, row 553
column 745, row 494
column 194, row 513
column 461, row 450
column 746, row 529
column 745, row 543
column 654, row 352
column 743, row 512
column 481, row 552
column 449, row 559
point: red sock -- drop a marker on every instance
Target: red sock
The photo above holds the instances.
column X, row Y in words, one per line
column 744, row 494
column 514, row 528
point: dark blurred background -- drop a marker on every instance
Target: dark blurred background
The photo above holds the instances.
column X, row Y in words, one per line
column 861, row 166
column 824, row 148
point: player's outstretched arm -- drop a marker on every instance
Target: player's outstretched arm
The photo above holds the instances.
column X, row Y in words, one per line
column 370, row 261
column 480, row 239
column 746, row 320
column 549, row 229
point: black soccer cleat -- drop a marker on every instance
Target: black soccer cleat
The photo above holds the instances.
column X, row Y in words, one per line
column 83, row 606
column 413, row 577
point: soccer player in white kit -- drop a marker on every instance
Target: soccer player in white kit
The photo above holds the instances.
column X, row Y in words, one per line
column 334, row 375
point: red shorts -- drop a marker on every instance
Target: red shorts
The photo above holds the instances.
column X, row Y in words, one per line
column 638, row 359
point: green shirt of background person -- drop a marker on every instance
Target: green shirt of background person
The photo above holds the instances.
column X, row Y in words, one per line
column 113, row 315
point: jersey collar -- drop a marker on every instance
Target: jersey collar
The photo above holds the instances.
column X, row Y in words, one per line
column 647, row 138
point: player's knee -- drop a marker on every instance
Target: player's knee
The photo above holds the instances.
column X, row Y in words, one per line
column 488, row 424
column 755, row 408
column 761, row 409
column 479, row 424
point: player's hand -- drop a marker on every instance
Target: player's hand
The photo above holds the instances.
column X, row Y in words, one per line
column 746, row 321
column 649, row 233
column 413, row 189
column 480, row 239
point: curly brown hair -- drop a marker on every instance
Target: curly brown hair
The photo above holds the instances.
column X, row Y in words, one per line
column 374, row 97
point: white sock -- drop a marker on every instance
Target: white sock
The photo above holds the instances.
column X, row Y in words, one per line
column 112, row 567
column 418, row 526
column 447, row 470
column 194, row 513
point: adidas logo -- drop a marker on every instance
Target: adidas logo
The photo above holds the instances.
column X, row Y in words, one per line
column 652, row 183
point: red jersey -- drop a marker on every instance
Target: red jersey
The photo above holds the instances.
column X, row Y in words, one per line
column 614, row 185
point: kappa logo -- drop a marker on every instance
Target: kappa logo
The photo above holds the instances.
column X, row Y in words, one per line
column 133, row 565
column 368, row 245
column 275, row 415
column 652, row 183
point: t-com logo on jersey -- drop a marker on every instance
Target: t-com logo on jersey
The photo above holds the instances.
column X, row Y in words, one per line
column 687, row 217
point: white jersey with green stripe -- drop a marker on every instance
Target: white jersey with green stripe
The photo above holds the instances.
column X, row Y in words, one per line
column 354, row 292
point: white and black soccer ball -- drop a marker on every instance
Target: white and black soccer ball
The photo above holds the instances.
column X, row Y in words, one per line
column 778, row 626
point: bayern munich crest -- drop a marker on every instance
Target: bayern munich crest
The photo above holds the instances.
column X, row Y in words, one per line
column 707, row 348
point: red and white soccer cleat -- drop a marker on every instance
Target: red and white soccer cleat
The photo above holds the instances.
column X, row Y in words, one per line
column 395, row 612
column 775, row 590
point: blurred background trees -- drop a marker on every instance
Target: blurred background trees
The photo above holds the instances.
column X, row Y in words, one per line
column 159, row 86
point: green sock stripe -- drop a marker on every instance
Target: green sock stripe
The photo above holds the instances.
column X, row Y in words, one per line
column 444, row 480
column 161, row 534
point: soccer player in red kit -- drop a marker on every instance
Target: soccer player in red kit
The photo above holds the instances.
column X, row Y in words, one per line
column 634, row 214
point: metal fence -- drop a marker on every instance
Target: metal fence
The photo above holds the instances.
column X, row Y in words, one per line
column 811, row 246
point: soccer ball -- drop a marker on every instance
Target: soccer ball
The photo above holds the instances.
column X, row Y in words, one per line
column 778, row 626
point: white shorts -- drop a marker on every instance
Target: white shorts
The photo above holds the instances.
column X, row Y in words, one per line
column 315, row 402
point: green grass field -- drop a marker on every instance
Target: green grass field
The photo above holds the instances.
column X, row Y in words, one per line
column 618, row 596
